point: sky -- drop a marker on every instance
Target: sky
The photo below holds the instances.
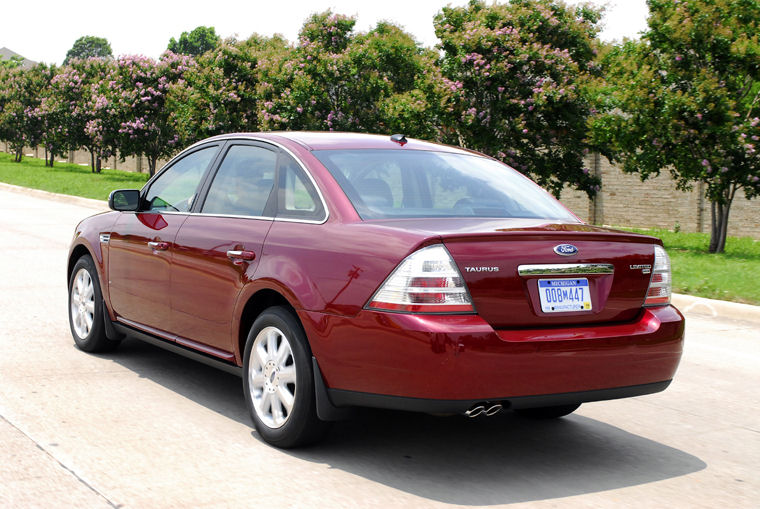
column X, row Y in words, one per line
column 43, row 30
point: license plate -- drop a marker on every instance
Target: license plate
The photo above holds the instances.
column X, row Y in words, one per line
column 563, row 295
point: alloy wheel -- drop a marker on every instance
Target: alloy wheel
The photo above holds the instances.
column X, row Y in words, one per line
column 272, row 377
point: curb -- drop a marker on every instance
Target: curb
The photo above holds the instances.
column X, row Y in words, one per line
column 688, row 304
column 65, row 198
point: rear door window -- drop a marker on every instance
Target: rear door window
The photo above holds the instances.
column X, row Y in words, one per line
column 243, row 184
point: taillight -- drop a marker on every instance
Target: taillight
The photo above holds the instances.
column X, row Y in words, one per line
column 658, row 293
column 427, row 281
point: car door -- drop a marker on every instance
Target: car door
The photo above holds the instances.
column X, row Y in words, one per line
column 218, row 249
column 142, row 242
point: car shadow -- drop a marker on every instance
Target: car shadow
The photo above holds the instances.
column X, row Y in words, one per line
column 483, row 461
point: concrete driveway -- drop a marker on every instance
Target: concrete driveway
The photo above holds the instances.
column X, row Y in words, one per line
column 144, row 428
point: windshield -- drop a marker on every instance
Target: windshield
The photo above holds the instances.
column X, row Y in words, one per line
column 383, row 184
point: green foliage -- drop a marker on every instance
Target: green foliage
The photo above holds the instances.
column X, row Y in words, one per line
column 516, row 77
column 335, row 79
column 219, row 94
column 20, row 98
column 11, row 63
column 197, row 42
column 686, row 99
column 89, row 46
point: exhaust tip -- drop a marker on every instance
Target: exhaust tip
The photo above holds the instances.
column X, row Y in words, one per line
column 475, row 411
column 485, row 408
column 493, row 410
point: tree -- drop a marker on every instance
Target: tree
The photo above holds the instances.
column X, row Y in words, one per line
column 218, row 95
column 148, row 126
column 335, row 79
column 20, row 98
column 516, row 75
column 197, row 42
column 89, row 46
column 686, row 99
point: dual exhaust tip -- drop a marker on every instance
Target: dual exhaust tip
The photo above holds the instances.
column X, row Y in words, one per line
column 485, row 408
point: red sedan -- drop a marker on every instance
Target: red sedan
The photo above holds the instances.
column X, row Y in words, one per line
column 334, row 270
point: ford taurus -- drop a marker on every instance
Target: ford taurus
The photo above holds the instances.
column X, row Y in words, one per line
column 333, row 271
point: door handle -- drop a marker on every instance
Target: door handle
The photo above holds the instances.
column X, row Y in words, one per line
column 158, row 246
column 241, row 255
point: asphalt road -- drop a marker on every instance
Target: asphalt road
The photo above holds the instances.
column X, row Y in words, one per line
column 144, row 428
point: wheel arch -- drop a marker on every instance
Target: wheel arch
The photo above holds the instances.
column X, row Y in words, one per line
column 76, row 253
column 256, row 304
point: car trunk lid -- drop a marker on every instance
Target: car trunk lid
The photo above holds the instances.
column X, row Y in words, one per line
column 604, row 273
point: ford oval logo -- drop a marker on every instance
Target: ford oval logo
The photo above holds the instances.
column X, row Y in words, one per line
column 565, row 249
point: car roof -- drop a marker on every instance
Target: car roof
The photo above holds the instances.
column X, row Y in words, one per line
column 314, row 140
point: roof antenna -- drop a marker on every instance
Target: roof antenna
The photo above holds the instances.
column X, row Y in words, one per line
column 399, row 138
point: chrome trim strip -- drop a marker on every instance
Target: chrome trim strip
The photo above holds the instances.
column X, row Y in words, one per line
column 569, row 269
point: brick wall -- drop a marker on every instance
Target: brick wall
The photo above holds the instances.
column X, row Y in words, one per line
column 656, row 203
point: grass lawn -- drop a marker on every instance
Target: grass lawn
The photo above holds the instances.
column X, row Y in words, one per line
column 67, row 178
column 733, row 275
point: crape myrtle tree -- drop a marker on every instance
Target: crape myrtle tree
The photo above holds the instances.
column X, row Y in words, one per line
column 148, row 125
column 516, row 75
column 21, row 92
column 686, row 99
column 95, row 120
column 78, row 111
column 89, row 46
column 218, row 95
column 335, row 79
column 197, row 42
column 63, row 111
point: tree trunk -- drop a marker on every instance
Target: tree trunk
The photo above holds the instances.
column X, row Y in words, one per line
column 152, row 160
column 52, row 158
column 719, row 219
column 92, row 160
column 19, row 155
column 46, row 157
column 98, row 164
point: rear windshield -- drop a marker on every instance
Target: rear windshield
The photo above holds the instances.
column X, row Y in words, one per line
column 384, row 184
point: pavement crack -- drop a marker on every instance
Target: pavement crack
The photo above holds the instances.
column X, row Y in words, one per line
column 69, row 470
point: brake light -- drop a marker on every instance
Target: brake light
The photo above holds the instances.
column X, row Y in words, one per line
column 658, row 293
column 427, row 281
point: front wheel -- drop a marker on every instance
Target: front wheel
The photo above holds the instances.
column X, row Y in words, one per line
column 278, row 381
column 547, row 412
column 86, row 308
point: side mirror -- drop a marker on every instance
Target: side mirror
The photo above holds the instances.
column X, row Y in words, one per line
column 124, row 200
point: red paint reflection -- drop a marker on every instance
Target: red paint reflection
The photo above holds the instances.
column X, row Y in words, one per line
column 153, row 221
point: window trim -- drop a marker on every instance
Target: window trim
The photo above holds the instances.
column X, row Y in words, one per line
column 222, row 143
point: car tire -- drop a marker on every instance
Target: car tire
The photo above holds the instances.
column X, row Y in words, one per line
column 86, row 318
column 547, row 412
column 278, row 381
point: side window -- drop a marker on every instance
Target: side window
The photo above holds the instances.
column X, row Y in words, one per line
column 174, row 190
column 296, row 196
column 243, row 183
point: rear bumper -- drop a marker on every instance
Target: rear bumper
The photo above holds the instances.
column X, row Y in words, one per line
column 440, row 363
column 341, row 398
